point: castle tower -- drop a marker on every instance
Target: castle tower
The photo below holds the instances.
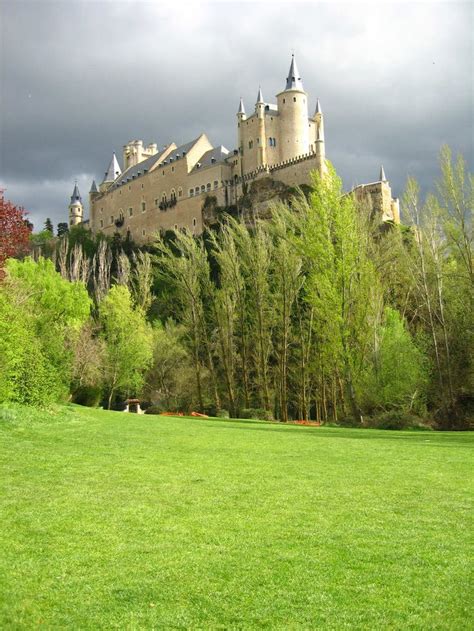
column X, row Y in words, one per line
column 293, row 116
column 320, row 148
column 241, row 117
column 76, row 210
column 261, row 137
column 111, row 174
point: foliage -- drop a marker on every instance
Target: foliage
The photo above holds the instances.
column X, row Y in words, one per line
column 128, row 343
column 14, row 231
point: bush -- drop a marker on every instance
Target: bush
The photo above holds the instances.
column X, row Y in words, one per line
column 223, row 414
column 256, row 413
column 89, row 396
column 154, row 409
column 395, row 420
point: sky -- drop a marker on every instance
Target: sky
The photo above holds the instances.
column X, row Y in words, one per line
column 79, row 79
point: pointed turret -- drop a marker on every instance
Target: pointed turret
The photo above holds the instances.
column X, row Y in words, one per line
column 293, row 81
column 318, row 109
column 382, row 177
column 260, row 96
column 113, row 171
column 241, row 107
column 94, row 188
column 76, row 196
column 76, row 210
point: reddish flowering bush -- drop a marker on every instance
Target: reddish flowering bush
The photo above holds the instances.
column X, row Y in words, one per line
column 14, row 231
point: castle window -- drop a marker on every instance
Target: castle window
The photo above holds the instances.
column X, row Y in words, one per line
column 143, row 207
column 274, row 142
column 130, row 211
column 294, row 99
column 157, row 201
column 175, row 226
column 203, row 189
column 216, row 184
column 111, row 219
column 172, row 169
column 270, row 142
column 142, row 185
column 180, row 192
column 101, row 223
column 196, row 190
column 194, row 221
column 101, row 210
column 129, row 187
column 163, row 172
column 250, row 144
column 284, row 100
column 163, row 197
column 191, row 192
column 208, row 187
column 173, row 195
column 143, row 232
column 258, row 141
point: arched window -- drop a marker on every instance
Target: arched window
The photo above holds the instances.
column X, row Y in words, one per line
column 208, row 187
column 196, row 190
column 163, row 197
column 216, row 184
column 250, row 144
column 274, row 142
column 180, row 192
column 203, row 189
column 191, row 192
column 173, row 195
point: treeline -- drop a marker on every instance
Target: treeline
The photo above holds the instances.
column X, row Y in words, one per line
column 321, row 312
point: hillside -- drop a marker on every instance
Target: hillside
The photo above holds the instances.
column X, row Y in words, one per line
column 119, row 521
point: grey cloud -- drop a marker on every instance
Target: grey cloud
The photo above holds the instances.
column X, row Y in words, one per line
column 79, row 79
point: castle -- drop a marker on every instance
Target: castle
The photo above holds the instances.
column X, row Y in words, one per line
column 166, row 189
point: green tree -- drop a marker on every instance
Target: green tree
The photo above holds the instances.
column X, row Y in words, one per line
column 128, row 343
column 48, row 225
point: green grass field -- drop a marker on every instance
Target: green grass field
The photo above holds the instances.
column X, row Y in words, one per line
column 121, row 521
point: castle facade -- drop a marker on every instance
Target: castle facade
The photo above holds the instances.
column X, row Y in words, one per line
column 166, row 189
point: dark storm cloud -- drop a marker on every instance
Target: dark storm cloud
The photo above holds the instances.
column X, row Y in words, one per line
column 79, row 79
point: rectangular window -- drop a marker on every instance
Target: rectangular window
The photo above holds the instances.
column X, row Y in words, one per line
column 130, row 211
column 101, row 223
column 143, row 207
column 111, row 219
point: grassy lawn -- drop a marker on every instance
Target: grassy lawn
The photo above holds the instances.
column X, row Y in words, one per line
column 122, row 521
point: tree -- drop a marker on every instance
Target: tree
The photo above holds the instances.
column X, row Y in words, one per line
column 48, row 225
column 128, row 343
column 44, row 313
column 62, row 229
column 14, row 231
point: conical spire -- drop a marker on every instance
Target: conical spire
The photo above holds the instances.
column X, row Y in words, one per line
column 76, row 196
column 382, row 175
column 241, row 107
column 94, row 188
column 113, row 171
column 318, row 108
column 260, row 96
column 293, row 81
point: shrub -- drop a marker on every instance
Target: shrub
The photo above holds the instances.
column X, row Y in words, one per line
column 256, row 413
column 154, row 409
column 89, row 396
column 395, row 420
column 223, row 414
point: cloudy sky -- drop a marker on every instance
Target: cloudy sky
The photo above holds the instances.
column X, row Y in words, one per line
column 79, row 79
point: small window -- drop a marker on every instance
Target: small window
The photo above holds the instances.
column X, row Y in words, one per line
column 111, row 219
column 284, row 100
column 194, row 221
column 180, row 192
column 216, row 184
column 143, row 207
column 163, row 197
column 142, row 185
column 208, row 187
column 130, row 211
column 143, row 232
column 172, row 169
column 101, row 210
column 175, row 226
column 129, row 187
column 203, row 189
column 274, row 142
column 294, row 99
column 173, row 195
column 163, row 172
column 157, row 201
column 191, row 192
column 196, row 190
column 101, row 223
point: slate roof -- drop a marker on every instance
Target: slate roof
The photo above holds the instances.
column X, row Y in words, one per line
column 293, row 81
column 113, row 171
column 213, row 156
column 76, row 196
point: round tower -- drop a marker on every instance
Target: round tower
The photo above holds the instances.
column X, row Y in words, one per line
column 76, row 210
column 319, row 139
column 293, row 116
column 261, row 137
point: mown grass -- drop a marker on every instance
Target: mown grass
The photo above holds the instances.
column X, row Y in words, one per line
column 137, row 522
